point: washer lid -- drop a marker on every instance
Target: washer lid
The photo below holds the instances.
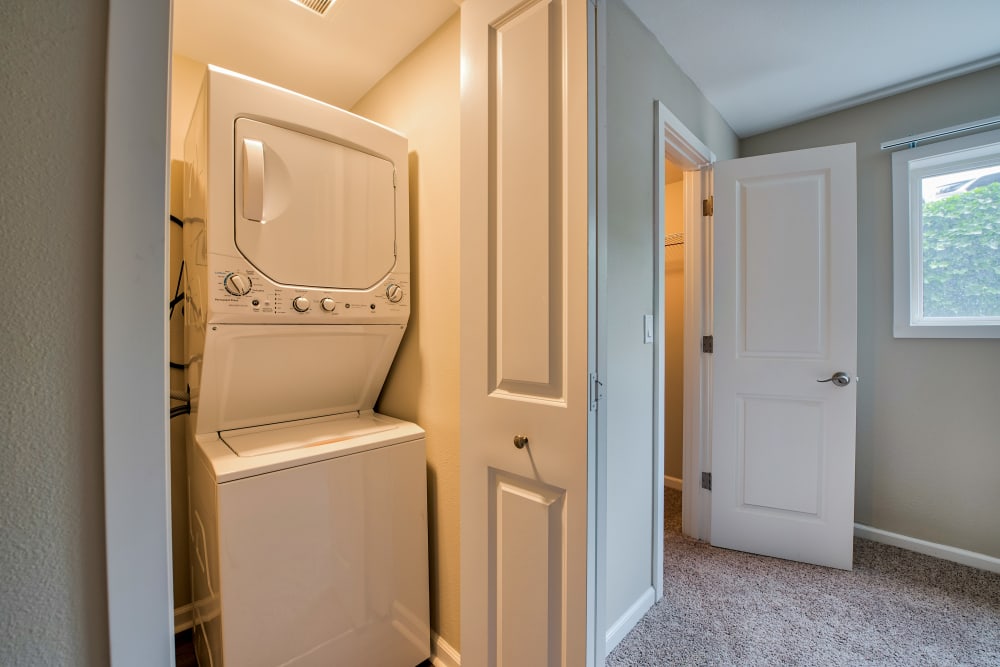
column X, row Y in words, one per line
column 226, row 466
column 270, row 373
column 311, row 211
column 274, row 438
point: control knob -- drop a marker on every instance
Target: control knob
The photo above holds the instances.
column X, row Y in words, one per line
column 237, row 284
column 394, row 293
column 329, row 305
column 300, row 303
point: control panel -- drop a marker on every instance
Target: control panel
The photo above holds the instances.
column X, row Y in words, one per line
column 240, row 294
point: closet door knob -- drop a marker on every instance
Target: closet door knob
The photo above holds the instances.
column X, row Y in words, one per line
column 520, row 441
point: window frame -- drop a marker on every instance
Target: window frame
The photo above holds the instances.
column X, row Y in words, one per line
column 908, row 167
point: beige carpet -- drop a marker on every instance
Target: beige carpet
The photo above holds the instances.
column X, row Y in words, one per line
column 897, row 607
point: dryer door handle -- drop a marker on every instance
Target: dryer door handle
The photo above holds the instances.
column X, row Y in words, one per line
column 253, row 179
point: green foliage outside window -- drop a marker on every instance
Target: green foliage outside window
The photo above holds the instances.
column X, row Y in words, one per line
column 961, row 254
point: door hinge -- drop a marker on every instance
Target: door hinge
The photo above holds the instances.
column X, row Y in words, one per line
column 708, row 344
column 595, row 393
column 708, row 206
column 706, row 481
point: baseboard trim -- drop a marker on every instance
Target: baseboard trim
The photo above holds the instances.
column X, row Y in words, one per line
column 183, row 618
column 943, row 551
column 673, row 482
column 442, row 653
column 627, row 621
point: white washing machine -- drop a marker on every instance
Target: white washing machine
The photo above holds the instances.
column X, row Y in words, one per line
column 308, row 510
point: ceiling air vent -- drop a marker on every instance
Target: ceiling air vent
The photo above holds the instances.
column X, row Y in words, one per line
column 321, row 7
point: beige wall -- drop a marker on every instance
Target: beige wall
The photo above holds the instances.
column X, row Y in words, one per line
column 420, row 98
column 673, row 334
column 639, row 72
column 928, row 449
column 179, row 543
column 185, row 82
column 53, row 601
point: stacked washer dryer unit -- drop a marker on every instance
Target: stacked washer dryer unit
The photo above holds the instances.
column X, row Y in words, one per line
column 308, row 510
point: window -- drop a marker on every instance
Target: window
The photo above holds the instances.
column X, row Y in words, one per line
column 946, row 239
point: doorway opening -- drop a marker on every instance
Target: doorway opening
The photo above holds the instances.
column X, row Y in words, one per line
column 682, row 315
column 784, row 312
column 673, row 325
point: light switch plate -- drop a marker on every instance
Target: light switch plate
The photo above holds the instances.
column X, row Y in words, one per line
column 647, row 328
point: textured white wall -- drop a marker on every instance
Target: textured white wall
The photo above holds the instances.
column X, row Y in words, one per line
column 928, row 461
column 53, row 604
column 639, row 71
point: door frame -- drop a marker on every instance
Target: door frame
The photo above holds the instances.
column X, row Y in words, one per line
column 672, row 140
column 597, row 332
column 135, row 376
column 136, row 441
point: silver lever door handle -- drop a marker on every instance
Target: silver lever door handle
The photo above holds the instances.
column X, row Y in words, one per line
column 840, row 379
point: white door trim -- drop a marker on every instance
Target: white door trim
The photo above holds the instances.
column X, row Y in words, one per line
column 696, row 511
column 674, row 141
column 597, row 354
column 136, row 454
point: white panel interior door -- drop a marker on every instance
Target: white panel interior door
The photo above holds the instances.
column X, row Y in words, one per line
column 785, row 317
column 524, row 249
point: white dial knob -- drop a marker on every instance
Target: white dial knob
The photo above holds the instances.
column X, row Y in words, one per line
column 237, row 284
column 394, row 293
column 329, row 305
column 300, row 303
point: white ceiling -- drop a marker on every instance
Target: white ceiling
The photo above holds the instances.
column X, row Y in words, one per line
column 336, row 58
column 769, row 63
column 763, row 63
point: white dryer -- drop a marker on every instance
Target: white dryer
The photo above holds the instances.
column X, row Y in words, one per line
column 308, row 510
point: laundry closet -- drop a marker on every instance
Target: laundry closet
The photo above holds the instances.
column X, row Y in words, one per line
column 413, row 90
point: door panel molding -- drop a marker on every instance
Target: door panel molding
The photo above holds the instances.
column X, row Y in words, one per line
column 528, row 61
column 768, row 276
column 527, row 560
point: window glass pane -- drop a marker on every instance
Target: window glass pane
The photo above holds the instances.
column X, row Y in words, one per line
column 960, row 243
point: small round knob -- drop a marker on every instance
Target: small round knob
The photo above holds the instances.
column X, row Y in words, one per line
column 237, row 284
column 300, row 303
column 394, row 293
column 329, row 305
column 520, row 441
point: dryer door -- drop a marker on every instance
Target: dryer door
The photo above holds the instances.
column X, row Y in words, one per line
column 310, row 211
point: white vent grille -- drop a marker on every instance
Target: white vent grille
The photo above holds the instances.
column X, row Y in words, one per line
column 321, row 7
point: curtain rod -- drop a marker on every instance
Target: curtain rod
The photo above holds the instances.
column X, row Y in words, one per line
column 912, row 141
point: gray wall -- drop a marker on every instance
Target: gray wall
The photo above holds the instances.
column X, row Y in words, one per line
column 928, row 447
column 639, row 72
column 53, row 605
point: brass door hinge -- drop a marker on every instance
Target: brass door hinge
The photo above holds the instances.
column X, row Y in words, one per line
column 708, row 206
